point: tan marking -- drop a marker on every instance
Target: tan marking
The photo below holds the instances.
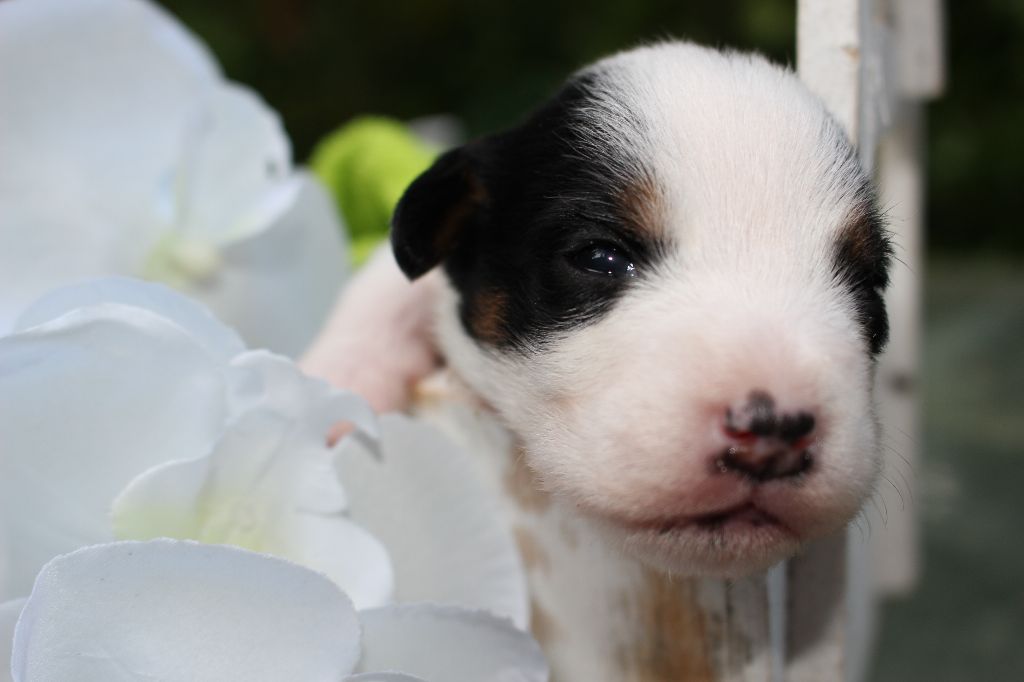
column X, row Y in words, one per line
column 669, row 638
column 642, row 208
column 445, row 386
column 522, row 485
column 535, row 557
column 544, row 628
column 488, row 316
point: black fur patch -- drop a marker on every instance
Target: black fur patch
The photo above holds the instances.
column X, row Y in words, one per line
column 861, row 262
column 526, row 200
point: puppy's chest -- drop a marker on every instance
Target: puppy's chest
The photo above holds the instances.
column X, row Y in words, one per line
column 599, row 614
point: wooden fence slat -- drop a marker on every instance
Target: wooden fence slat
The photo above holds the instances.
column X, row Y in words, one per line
column 871, row 61
column 921, row 64
column 831, row 56
column 894, row 518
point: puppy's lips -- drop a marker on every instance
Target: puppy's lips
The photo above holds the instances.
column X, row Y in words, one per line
column 737, row 541
column 745, row 514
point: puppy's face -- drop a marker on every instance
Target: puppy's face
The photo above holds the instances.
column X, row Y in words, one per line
column 668, row 282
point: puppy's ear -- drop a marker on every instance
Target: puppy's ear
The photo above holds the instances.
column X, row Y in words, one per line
column 437, row 211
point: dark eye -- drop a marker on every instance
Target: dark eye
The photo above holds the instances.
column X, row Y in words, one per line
column 603, row 259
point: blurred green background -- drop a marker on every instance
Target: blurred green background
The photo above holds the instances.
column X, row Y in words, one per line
column 321, row 62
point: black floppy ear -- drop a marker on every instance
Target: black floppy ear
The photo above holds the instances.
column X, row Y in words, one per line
column 436, row 212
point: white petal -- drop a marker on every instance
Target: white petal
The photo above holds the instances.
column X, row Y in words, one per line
column 262, row 379
column 349, row 555
column 38, row 251
column 251, row 491
column 446, row 644
column 233, row 182
column 163, row 501
column 116, row 130
column 219, row 340
column 277, row 286
column 182, row 612
column 9, row 612
column 444, row 531
column 237, row 494
column 95, row 101
column 88, row 401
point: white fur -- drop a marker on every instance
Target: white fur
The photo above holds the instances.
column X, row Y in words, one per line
column 623, row 416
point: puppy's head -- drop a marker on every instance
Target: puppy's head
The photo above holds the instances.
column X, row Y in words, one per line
column 668, row 281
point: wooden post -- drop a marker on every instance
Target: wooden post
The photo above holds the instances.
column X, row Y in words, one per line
column 917, row 70
column 871, row 61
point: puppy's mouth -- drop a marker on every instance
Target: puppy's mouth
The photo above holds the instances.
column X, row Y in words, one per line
column 731, row 542
column 746, row 514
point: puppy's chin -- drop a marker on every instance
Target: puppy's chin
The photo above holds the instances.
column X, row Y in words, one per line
column 739, row 543
column 730, row 549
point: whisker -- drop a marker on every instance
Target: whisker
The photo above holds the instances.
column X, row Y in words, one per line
column 882, row 509
column 903, row 502
column 892, row 448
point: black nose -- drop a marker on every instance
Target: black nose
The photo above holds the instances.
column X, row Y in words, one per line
column 793, row 427
column 758, row 418
column 766, row 445
column 759, row 465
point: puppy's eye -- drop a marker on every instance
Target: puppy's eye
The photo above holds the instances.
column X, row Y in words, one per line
column 603, row 259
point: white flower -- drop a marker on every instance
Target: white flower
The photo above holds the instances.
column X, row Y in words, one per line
column 180, row 611
column 268, row 484
column 9, row 612
column 125, row 151
column 129, row 412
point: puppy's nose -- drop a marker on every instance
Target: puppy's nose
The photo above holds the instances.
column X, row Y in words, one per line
column 764, row 444
column 764, row 463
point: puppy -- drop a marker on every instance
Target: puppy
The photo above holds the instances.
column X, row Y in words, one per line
column 668, row 284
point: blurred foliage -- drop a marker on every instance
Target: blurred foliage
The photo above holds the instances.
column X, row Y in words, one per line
column 976, row 135
column 322, row 62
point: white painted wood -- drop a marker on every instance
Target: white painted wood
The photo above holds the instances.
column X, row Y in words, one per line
column 894, row 518
column 921, row 64
column 816, row 613
column 828, row 55
column 870, row 60
column 861, row 607
column 831, row 55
